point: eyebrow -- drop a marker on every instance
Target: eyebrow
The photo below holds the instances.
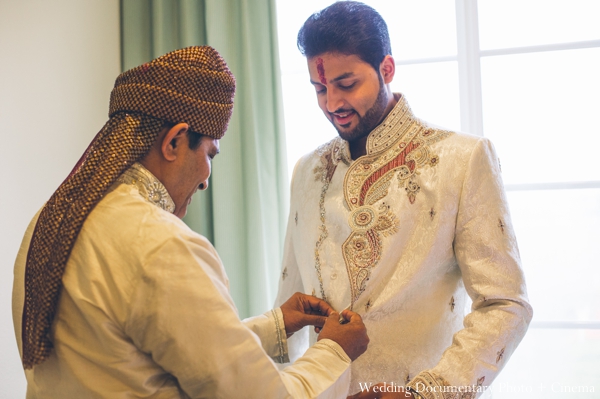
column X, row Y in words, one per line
column 341, row 77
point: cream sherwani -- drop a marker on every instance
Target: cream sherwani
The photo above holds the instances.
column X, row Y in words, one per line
column 405, row 235
column 145, row 312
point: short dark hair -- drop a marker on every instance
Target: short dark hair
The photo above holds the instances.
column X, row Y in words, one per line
column 346, row 27
column 194, row 139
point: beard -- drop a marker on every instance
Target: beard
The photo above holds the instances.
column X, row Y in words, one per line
column 369, row 121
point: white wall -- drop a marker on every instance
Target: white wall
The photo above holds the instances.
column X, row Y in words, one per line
column 58, row 62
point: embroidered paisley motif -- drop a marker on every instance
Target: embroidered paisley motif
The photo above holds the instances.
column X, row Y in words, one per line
column 399, row 147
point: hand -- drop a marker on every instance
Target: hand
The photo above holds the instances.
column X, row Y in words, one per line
column 351, row 336
column 374, row 393
column 304, row 310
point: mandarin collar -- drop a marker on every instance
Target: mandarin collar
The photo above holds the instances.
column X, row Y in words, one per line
column 149, row 186
column 395, row 125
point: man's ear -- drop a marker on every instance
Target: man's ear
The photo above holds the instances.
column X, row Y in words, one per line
column 175, row 138
column 387, row 68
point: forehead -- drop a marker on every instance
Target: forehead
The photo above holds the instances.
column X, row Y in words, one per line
column 334, row 63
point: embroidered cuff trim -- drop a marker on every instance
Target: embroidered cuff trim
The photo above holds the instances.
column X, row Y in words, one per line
column 283, row 356
column 336, row 348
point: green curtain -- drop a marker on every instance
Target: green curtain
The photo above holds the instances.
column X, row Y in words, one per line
column 244, row 211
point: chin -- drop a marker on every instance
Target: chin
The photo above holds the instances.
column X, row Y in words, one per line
column 351, row 134
column 181, row 213
column 344, row 132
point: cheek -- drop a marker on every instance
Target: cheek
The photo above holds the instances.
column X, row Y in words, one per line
column 366, row 99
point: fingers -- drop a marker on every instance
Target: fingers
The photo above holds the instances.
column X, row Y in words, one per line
column 351, row 336
column 351, row 316
column 317, row 321
column 333, row 316
column 314, row 304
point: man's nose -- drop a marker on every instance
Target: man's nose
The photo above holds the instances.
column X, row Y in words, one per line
column 334, row 100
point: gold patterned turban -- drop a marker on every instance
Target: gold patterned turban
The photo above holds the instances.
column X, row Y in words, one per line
column 191, row 85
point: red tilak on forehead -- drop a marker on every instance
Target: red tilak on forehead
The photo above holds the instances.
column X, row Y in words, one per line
column 321, row 71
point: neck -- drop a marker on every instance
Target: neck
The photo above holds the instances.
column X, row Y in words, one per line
column 358, row 147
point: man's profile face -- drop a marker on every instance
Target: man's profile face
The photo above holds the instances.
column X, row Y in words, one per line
column 350, row 93
column 194, row 171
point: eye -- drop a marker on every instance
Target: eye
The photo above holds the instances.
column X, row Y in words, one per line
column 347, row 87
column 320, row 89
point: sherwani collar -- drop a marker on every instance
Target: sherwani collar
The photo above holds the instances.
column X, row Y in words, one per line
column 150, row 188
column 395, row 124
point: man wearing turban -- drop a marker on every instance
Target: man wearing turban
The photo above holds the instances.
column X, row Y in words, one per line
column 115, row 297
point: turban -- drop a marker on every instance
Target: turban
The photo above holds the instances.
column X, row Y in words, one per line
column 191, row 85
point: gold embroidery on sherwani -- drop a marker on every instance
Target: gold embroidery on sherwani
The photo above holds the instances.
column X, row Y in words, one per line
column 400, row 146
column 500, row 354
column 331, row 154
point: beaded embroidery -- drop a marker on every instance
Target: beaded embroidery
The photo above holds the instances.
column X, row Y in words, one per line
column 500, row 355
column 331, row 154
column 400, row 146
column 148, row 185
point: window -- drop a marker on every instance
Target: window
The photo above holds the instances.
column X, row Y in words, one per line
column 525, row 74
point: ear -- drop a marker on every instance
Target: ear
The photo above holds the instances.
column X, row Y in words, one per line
column 172, row 142
column 387, row 69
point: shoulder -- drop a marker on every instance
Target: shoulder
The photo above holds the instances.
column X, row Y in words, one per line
column 310, row 164
column 129, row 228
column 452, row 137
column 456, row 144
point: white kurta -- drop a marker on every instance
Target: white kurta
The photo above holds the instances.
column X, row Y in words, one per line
column 403, row 235
column 145, row 312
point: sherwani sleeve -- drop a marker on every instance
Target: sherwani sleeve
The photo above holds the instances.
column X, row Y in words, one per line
column 486, row 252
column 182, row 316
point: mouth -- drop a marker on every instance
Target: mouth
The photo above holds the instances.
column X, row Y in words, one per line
column 343, row 118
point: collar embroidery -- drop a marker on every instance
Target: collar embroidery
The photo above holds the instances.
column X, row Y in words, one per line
column 148, row 185
column 399, row 146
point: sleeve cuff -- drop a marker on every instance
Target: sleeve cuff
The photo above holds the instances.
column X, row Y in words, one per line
column 427, row 385
column 282, row 355
column 270, row 329
column 333, row 347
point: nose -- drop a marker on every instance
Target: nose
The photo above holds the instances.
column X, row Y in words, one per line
column 333, row 100
column 204, row 185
